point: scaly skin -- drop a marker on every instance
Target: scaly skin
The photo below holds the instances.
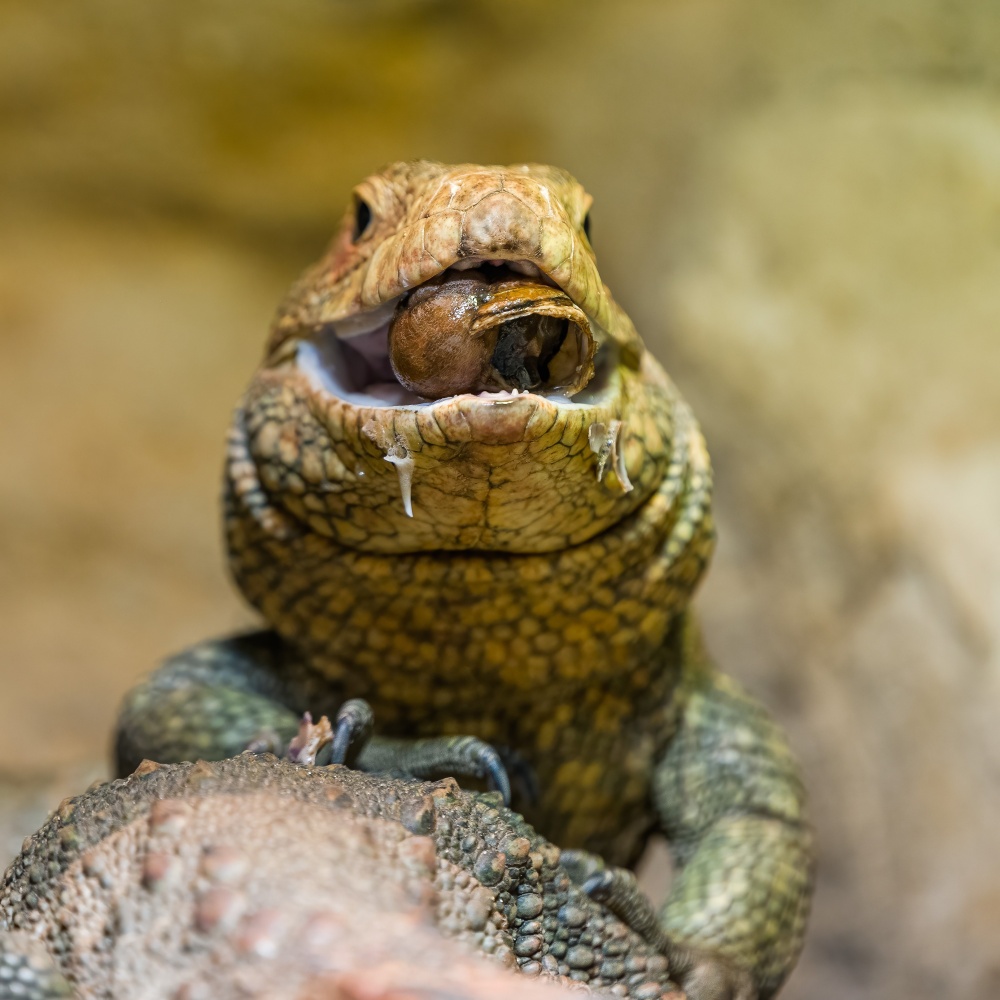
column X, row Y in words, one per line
column 537, row 598
column 257, row 877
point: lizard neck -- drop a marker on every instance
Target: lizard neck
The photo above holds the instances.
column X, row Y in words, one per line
column 427, row 636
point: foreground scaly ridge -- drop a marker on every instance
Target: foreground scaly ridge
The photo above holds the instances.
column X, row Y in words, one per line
column 258, row 877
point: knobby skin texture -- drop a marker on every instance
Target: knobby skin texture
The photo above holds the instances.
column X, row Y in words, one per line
column 513, row 562
column 255, row 877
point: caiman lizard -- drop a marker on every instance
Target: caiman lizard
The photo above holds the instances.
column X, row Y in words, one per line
column 459, row 487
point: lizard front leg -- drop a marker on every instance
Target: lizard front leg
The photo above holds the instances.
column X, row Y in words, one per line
column 214, row 700
column 729, row 799
column 250, row 691
column 731, row 802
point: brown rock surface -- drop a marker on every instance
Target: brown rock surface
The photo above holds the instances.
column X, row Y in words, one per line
column 798, row 204
column 255, row 877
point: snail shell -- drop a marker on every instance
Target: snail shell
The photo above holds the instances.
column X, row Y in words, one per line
column 432, row 347
column 467, row 334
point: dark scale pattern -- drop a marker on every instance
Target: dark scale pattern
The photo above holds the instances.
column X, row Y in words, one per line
column 489, row 880
column 550, row 926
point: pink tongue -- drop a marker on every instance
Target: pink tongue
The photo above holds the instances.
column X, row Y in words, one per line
column 372, row 347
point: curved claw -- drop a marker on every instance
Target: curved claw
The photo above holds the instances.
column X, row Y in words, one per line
column 618, row 889
column 352, row 730
column 492, row 769
column 703, row 975
column 432, row 757
column 601, row 886
column 522, row 777
column 581, row 865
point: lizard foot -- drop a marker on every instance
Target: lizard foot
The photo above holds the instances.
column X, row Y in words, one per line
column 703, row 975
column 320, row 743
column 349, row 741
column 459, row 756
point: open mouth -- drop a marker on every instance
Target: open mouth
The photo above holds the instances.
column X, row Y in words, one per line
column 495, row 329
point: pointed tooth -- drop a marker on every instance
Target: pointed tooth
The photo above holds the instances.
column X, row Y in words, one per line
column 618, row 457
column 397, row 454
column 600, row 445
column 404, row 469
column 607, row 443
column 595, row 436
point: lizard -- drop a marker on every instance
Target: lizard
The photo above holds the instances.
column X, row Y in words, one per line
column 258, row 877
column 460, row 487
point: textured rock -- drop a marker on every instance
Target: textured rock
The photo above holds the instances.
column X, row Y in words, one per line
column 213, row 879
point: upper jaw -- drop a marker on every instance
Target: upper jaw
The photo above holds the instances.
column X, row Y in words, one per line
column 372, row 315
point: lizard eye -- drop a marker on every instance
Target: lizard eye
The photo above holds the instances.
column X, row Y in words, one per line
column 362, row 218
column 585, row 225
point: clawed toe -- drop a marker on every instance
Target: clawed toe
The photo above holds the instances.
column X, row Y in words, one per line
column 488, row 765
column 349, row 741
column 352, row 730
column 703, row 975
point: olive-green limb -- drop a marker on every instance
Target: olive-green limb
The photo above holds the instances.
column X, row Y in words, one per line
column 704, row 975
column 213, row 700
column 730, row 801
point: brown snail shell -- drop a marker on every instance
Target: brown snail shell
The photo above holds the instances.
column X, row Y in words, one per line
column 432, row 348
column 466, row 334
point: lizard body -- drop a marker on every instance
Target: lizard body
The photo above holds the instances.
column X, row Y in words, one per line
column 510, row 556
column 255, row 877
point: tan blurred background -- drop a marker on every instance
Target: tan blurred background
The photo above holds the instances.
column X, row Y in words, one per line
column 798, row 203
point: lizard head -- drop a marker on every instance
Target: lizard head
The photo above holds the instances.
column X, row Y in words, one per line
column 453, row 373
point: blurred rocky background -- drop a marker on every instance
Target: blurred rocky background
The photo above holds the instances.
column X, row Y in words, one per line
column 799, row 204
